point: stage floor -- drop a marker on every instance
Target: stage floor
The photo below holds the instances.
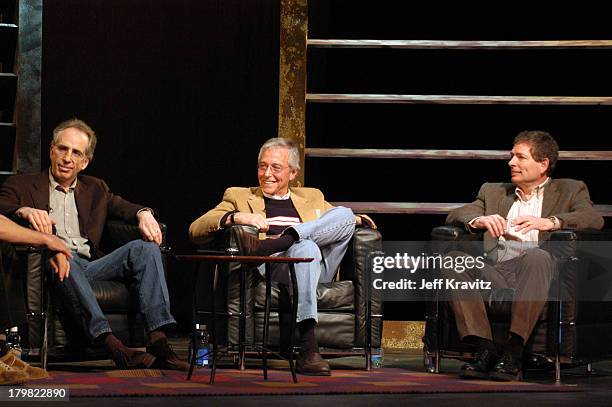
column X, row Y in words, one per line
column 595, row 389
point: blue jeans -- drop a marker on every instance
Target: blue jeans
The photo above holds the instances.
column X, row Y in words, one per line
column 139, row 264
column 326, row 240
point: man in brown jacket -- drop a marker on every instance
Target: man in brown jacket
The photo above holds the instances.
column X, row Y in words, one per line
column 77, row 207
column 515, row 217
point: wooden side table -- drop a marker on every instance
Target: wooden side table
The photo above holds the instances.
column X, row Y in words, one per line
column 246, row 262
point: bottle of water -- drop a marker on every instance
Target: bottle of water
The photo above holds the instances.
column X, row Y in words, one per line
column 202, row 345
column 13, row 342
column 378, row 358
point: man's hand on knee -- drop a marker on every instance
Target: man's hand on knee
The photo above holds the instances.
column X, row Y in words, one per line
column 365, row 220
column 149, row 228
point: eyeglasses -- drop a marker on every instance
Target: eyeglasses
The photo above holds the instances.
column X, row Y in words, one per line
column 274, row 168
column 63, row 151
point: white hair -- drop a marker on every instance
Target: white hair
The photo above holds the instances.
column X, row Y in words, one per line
column 281, row 142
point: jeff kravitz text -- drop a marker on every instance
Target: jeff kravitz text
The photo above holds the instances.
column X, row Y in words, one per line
column 411, row 264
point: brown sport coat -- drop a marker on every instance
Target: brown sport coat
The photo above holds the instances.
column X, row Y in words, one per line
column 94, row 201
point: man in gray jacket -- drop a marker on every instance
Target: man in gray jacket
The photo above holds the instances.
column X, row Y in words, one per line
column 515, row 217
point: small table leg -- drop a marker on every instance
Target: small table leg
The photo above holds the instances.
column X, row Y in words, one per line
column 266, row 320
column 194, row 349
column 194, row 338
column 294, row 306
column 213, row 323
column 242, row 319
column 43, row 309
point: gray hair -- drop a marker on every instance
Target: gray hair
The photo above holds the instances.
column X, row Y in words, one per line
column 78, row 124
column 281, row 142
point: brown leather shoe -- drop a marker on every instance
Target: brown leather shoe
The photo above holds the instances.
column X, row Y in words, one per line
column 124, row 357
column 136, row 360
column 312, row 364
column 247, row 243
column 165, row 358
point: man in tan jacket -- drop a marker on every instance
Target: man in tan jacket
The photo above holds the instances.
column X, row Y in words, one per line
column 298, row 223
column 515, row 217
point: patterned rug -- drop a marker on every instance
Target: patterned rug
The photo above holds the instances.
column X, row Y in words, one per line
column 230, row 382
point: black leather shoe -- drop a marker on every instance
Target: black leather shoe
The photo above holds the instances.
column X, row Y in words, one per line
column 507, row 369
column 247, row 243
column 480, row 367
column 312, row 364
column 165, row 358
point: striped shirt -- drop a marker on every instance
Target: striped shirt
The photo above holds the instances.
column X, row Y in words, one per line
column 280, row 214
column 514, row 243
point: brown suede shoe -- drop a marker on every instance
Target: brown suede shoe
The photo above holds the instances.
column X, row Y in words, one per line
column 312, row 364
column 165, row 356
column 247, row 243
column 10, row 375
column 18, row 364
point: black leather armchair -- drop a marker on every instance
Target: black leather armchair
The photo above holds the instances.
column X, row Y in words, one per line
column 574, row 329
column 350, row 315
column 67, row 338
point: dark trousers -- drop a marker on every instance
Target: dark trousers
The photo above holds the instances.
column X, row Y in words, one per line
column 12, row 304
column 529, row 274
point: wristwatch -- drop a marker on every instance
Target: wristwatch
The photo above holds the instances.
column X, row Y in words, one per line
column 555, row 221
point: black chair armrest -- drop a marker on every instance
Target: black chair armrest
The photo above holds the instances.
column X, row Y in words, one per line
column 587, row 235
column 564, row 243
column 355, row 265
column 454, row 233
column 447, row 233
column 564, row 235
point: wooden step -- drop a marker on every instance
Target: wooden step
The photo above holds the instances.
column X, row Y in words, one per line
column 444, row 154
column 403, row 208
column 441, row 44
column 457, row 99
column 423, row 208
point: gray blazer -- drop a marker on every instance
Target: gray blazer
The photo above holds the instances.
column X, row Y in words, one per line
column 567, row 199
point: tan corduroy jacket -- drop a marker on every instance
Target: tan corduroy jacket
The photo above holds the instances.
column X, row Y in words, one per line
column 309, row 203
